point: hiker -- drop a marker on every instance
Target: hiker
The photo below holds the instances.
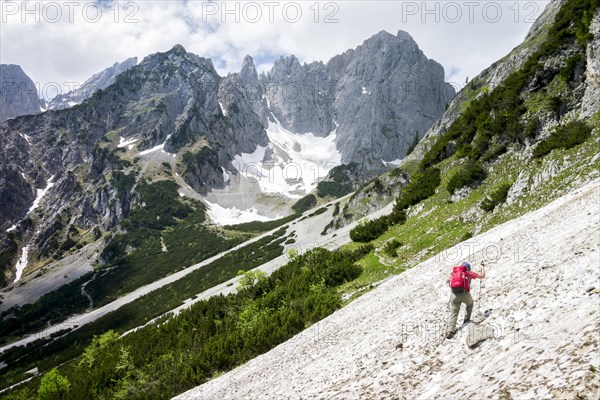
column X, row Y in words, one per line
column 459, row 282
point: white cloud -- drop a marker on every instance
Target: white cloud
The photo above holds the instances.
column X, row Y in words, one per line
column 461, row 35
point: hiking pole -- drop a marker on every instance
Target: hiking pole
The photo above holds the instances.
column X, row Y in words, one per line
column 480, row 294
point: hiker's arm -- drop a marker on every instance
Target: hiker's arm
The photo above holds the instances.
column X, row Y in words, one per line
column 481, row 275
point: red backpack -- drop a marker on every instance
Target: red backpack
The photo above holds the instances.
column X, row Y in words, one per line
column 459, row 282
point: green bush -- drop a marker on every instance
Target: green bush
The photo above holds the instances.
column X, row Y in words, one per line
column 305, row 204
column 533, row 127
column 333, row 189
column 467, row 174
column 493, row 152
column 391, row 246
column 565, row 137
column 421, row 187
column 336, row 210
column 368, row 230
column 568, row 71
column 498, row 196
column 260, row 226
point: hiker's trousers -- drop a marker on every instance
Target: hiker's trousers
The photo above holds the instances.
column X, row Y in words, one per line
column 455, row 301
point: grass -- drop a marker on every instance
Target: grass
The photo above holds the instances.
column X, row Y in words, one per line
column 373, row 271
column 442, row 223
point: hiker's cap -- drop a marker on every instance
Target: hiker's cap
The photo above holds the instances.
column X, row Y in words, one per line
column 466, row 264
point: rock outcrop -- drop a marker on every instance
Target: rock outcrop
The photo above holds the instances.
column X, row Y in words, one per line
column 98, row 81
column 18, row 94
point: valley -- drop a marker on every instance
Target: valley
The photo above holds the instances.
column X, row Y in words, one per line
column 181, row 233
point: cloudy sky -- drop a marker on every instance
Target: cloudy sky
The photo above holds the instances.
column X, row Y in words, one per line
column 68, row 41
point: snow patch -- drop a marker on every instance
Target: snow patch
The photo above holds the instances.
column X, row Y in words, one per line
column 223, row 110
column 233, row 216
column 40, row 195
column 386, row 345
column 297, row 164
column 156, row 148
column 22, row 263
column 24, row 136
column 225, row 175
column 12, row 228
column 271, row 112
column 365, row 91
column 126, row 143
column 249, row 159
column 393, row 163
column 72, row 103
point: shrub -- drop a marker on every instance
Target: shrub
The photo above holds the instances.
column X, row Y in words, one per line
column 336, row 210
column 421, row 187
column 498, row 196
column 398, row 217
column 53, row 386
column 493, row 152
column 333, row 189
column 368, row 230
column 568, row 71
column 532, row 128
column 467, row 174
column 566, row 136
column 305, row 204
column 466, row 236
column 391, row 246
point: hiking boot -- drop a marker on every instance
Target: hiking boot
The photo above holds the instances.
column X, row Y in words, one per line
column 450, row 335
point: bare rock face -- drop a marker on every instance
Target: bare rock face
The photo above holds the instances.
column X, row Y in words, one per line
column 18, row 95
column 591, row 99
column 99, row 81
column 376, row 97
column 91, row 149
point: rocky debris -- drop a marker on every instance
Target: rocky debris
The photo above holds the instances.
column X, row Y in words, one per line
column 387, row 345
column 477, row 333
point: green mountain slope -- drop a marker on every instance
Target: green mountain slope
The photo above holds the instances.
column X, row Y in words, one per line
column 513, row 148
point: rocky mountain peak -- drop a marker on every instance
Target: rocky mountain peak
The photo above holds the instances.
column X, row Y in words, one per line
column 178, row 49
column 18, row 94
column 288, row 66
column 248, row 72
column 99, row 81
column 377, row 95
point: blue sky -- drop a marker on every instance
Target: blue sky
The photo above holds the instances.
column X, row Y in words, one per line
column 62, row 41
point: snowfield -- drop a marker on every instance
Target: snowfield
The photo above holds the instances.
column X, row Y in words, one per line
column 232, row 216
column 543, row 288
column 291, row 164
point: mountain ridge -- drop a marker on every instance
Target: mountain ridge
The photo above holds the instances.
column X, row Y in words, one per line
column 511, row 150
column 173, row 117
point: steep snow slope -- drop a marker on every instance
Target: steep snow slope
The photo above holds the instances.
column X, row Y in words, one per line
column 543, row 288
